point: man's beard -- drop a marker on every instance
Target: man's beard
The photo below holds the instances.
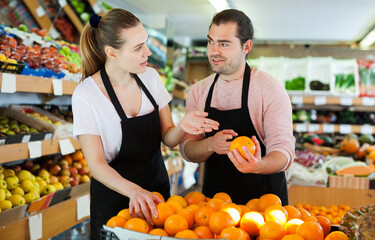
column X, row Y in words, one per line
column 225, row 69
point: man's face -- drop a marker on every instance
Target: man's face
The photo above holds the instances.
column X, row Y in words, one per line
column 225, row 51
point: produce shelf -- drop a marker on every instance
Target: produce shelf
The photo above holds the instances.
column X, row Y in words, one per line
column 38, row 13
column 40, row 84
column 19, row 151
column 329, row 100
column 55, row 220
column 333, row 128
column 73, row 17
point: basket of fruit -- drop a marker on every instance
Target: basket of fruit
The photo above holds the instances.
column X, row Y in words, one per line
column 10, row 65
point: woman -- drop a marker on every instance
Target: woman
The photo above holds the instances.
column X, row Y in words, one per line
column 120, row 93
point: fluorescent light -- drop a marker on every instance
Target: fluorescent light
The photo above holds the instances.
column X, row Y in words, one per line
column 219, row 5
column 367, row 41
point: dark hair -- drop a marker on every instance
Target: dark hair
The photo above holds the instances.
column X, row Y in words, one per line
column 245, row 30
column 107, row 32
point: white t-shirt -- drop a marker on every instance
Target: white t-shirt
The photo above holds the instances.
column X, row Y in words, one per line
column 94, row 114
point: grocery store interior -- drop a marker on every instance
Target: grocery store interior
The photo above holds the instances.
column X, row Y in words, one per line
column 321, row 52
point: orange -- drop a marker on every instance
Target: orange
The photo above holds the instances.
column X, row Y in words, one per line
column 244, row 234
column 164, row 211
column 189, row 234
column 188, row 215
column 159, row 232
column 137, row 224
column 175, row 223
column 194, row 198
column 178, row 199
column 276, row 213
column 215, row 203
column 202, row 215
column 224, row 196
column 77, row 155
column 253, row 204
column 292, row 237
column 204, row 232
column 240, row 142
column 69, row 159
column 175, row 205
column 193, row 208
column 268, row 200
column 309, row 219
column 272, row 230
column 291, row 225
column 303, row 212
column 232, row 233
column 116, row 221
column 337, row 235
column 125, row 214
column 244, row 209
column 325, row 224
column 292, row 212
column 159, row 195
column 251, row 222
column 220, row 220
column 310, row 231
column 234, row 210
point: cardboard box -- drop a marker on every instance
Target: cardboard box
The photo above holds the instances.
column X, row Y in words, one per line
column 349, row 182
column 13, row 214
column 60, row 196
column 59, row 131
column 80, row 190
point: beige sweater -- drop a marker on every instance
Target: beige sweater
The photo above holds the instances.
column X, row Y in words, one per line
column 269, row 106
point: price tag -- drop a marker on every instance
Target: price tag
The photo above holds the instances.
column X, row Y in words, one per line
column 57, row 87
column 328, row 128
column 8, row 83
column 345, row 128
column 297, row 100
column 366, row 129
column 368, row 101
column 314, row 127
column 320, row 100
column 48, row 136
column 346, row 101
column 26, row 138
column 35, row 226
column 96, row 8
column 66, row 147
column 166, row 163
column 40, row 11
column 301, row 127
column 62, row 3
column 83, row 207
column 53, row 33
column 35, row 149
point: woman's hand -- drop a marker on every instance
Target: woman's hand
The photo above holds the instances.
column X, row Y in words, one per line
column 195, row 122
column 253, row 164
column 142, row 204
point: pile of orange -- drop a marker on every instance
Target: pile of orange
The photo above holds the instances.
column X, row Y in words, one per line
column 334, row 213
column 197, row 217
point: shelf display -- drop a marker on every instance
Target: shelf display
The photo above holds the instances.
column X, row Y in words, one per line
column 18, row 13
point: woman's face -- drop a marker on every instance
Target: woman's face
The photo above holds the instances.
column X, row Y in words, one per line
column 132, row 56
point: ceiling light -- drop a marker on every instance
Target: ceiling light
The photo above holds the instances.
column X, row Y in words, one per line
column 367, row 41
column 219, row 5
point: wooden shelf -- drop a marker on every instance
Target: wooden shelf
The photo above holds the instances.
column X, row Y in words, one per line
column 343, row 101
column 40, row 84
column 19, row 151
column 73, row 17
column 95, row 7
column 333, row 128
column 55, row 220
column 35, row 8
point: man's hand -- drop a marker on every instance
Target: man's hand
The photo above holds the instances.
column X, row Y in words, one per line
column 218, row 143
column 253, row 164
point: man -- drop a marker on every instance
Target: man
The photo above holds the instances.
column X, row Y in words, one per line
column 245, row 102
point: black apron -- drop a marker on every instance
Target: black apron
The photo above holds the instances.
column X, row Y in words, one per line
column 220, row 173
column 139, row 161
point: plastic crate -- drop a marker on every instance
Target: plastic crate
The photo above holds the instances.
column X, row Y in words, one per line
column 107, row 235
column 15, row 68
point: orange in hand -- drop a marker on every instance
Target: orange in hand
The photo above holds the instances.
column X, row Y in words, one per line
column 241, row 141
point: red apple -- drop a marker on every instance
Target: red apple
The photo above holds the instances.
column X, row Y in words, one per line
column 65, row 172
column 55, row 169
column 27, row 165
column 64, row 179
column 73, row 171
column 84, row 170
column 77, row 165
column 53, row 179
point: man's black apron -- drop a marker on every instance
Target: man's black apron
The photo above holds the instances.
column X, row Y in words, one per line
column 139, row 161
column 220, row 173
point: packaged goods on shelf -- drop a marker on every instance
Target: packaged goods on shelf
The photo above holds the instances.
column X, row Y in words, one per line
column 294, row 75
column 367, row 77
column 345, row 72
column 319, row 75
column 273, row 66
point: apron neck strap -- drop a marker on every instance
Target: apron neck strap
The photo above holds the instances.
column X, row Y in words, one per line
column 245, row 88
column 145, row 90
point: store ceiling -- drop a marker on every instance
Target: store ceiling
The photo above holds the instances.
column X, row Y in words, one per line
column 337, row 22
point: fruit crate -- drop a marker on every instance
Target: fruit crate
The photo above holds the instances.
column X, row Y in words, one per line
column 8, row 67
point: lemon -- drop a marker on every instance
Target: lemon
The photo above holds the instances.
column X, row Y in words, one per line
column 17, row 200
column 3, row 58
column 11, row 61
column 23, row 175
column 5, row 205
column 29, row 197
column 18, row 191
column 27, row 185
column 2, row 194
column 11, row 182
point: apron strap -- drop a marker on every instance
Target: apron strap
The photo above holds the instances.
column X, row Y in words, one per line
column 112, row 94
column 145, row 90
column 209, row 96
column 245, row 86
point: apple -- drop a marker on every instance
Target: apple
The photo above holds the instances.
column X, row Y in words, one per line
column 85, row 179
column 49, row 189
column 84, row 170
column 16, row 168
column 73, row 183
column 64, row 179
column 53, row 179
column 73, row 171
column 55, row 169
column 35, row 168
column 65, row 172
column 27, row 165
column 77, row 165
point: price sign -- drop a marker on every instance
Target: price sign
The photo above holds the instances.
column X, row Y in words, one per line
column 301, row 127
column 26, row 138
column 57, row 87
column 366, row 129
column 346, row 101
column 40, row 11
column 66, row 146
column 328, row 128
column 62, row 3
column 368, row 101
column 35, row 149
column 53, row 33
column 8, row 83
column 297, row 100
column 96, row 8
column 35, row 226
column 320, row 100
column 314, row 127
column 345, row 129
column 83, row 207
